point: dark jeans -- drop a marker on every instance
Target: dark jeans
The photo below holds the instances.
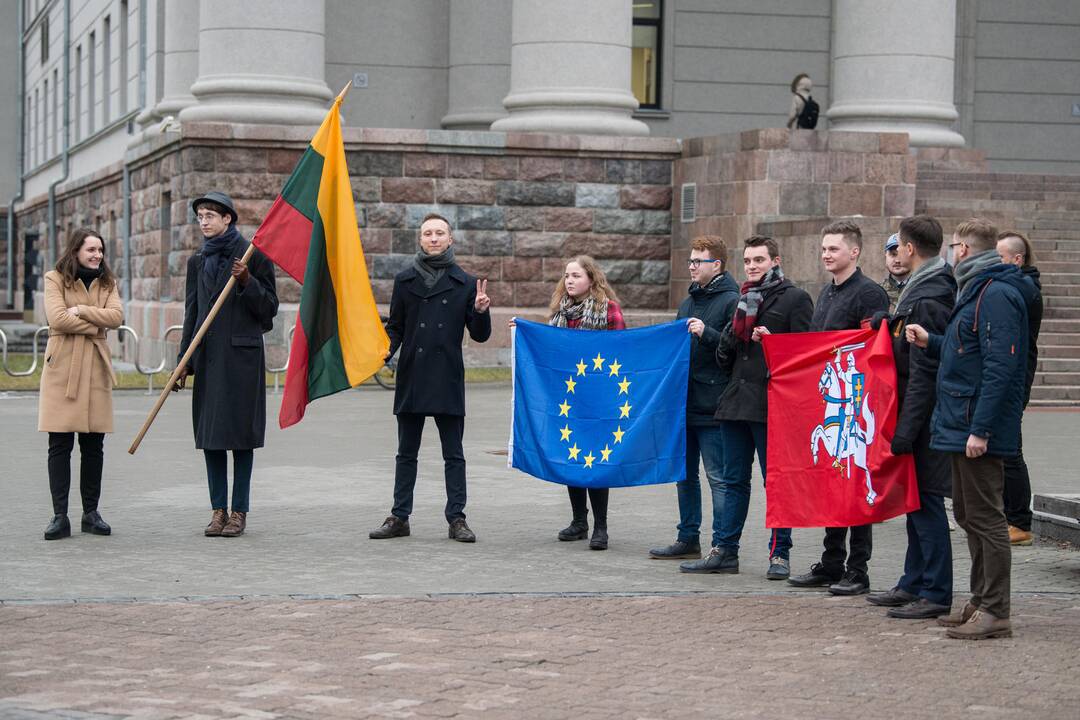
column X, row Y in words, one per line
column 704, row 442
column 928, row 563
column 858, row 560
column 217, row 475
column 740, row 440
column 979, row 509
column 579, row 497
column 91, row 460
column 410, row 430
column 1018, row 490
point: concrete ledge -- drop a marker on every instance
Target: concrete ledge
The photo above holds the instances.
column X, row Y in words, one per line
column 1057, row 518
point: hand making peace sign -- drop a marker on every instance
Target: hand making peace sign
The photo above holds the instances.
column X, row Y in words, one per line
column 483, row 302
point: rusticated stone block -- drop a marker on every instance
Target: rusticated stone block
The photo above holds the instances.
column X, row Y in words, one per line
column 415, row 214
column 366, row 189
column 568, row 219
column 899, row 200
column 408, row 190
column 480, row 217
column 283, row 160
column 534, row 244
column 846, row 167
column 617, row 221
column 424, row 165
column 860, row 142
column 636, row 295
column 655, row 222
column 465, row 166
column 890, row 143
column 198, row 159
column 481, row 267
column 885, row 169
column 651, row 197
column 621, row 271
column 376, row 240
column 518, row 268
column 590, row 195
column 501, row 168
column 288, row 290
column 238, row 159
column 790, row 166
column 656, row 172
column 532, row 294
column 491, row 242
column 804, row 199
column 757, row 198
column 511, row 192
column 655, row 272
column 855, row 200
column 465, row 192
column 541, row 168
column 404, row 241
column 387, row 266
column 385, row 216
column 751, row 165
column 589, row 170
column 554, row 269
column 382, row 289
column 640, row 247
column 524, row 218
column 764, row 139
column 501, row 294
column 623, row 171
column 812, row 140
column 378, row 164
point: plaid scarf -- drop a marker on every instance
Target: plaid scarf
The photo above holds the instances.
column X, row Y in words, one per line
column 592, row 315
column 750, row 301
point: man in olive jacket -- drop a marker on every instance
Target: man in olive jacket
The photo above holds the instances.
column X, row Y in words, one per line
column 432, row 304
column 925, row 588
column 769, row 303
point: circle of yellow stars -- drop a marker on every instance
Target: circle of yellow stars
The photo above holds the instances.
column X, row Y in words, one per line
column 614, row 370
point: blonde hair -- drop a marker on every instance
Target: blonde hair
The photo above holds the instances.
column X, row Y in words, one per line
column 599, row 288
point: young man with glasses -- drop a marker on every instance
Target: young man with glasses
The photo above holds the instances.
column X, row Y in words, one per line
column 707, row 309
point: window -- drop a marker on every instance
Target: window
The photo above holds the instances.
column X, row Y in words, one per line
column 91, row 82
column 78, row 93
column 645, row 58
column 123, row 57
column 106, row 70
column 45, row 121
column 45, row 40
column 36, row 131
column 55, row 108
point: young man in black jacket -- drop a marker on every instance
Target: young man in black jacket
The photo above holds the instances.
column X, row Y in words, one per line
column 849, row 299
column 707, row 309
column 1015, row 249
column 925, row 588
column 769, row 303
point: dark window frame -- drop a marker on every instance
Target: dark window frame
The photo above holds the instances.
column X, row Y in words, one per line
column 658, row 23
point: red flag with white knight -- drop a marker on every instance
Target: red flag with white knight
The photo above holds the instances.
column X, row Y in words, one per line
column 832, row 415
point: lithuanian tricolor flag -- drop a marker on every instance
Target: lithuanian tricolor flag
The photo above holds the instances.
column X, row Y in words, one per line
column 311, row 233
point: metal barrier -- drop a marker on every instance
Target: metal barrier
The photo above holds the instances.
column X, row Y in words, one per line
column 149, row 373
column 33, row 364
column 288, row 349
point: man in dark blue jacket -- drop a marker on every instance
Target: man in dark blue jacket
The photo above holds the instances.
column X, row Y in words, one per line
column 980, row 400
column 707, row 309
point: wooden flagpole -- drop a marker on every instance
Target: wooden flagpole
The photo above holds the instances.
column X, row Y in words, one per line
column 187, row 355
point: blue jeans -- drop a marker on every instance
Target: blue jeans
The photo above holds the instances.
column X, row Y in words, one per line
column 741, row 439
column 217, row 475
column 928, row 563
column 707, row 443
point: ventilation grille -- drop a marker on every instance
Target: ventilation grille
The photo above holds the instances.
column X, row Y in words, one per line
column 688, row 202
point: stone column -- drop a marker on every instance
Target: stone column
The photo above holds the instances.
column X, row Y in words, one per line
column 261, row 61
column 181, row 49
column 570, row 69
column 479, row 74
column 893, row 69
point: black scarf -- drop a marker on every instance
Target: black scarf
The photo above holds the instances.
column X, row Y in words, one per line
column 87, row 275
column 217, row 251
column 433, row 267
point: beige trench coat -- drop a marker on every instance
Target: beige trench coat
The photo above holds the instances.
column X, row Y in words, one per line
column 77, row 381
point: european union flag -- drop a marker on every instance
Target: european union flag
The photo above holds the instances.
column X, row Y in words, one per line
column 600, row 408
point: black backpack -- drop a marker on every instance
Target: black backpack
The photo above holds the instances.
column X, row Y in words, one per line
column 807, row 119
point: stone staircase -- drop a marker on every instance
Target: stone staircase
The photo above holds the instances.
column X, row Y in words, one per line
column 1046, row 208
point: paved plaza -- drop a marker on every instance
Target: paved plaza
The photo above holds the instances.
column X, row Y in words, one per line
column 305, row 617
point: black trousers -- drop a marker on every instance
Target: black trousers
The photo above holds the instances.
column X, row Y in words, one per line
column 410, row 430
column 858, row 560
column 1018, row 490
column 92, row 458
column 580, row 507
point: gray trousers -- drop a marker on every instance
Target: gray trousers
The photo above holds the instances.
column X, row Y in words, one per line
column 979, row 509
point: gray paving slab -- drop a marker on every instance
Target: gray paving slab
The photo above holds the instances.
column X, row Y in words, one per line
column 321, row 485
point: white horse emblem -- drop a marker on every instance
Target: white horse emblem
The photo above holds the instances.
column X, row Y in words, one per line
column 844, row 438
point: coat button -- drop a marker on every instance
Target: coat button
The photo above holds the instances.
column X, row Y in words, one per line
column 745, row 357
column 444, row 301
column 422, row 325
column 425, row 299
column 419, row 349
column 440, row 324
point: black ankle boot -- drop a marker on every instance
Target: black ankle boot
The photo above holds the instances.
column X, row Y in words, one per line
column 599, row 538
column 578, row 529
column 59, row 527
column 92, row 523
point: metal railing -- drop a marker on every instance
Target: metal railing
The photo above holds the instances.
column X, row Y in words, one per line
column 4, row 351
column 148, row 372
column 284, row 368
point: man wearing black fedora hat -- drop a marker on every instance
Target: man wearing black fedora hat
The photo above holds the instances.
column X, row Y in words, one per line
column 228, row 407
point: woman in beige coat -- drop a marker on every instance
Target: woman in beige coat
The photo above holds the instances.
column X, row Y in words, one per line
column 81, row 303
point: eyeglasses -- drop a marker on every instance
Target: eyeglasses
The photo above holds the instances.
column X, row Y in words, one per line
column 696, row 262
column 956, row 244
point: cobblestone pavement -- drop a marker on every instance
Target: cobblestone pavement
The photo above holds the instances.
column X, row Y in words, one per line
column 158, row 621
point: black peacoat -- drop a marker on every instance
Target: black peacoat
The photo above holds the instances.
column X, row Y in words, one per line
column 228, row 407
column 428, row 326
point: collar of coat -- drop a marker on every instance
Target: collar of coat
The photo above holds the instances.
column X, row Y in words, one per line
column 454, row 273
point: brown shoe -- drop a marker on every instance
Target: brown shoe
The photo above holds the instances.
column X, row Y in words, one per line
column 958, row 617
column 217, row 523
column 235, row 526
column 1020, row 537
column 981, row 626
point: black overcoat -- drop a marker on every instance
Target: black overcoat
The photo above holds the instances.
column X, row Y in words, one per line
column 228, row 407
column 428, row 326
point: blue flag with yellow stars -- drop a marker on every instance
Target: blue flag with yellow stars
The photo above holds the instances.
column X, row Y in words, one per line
column 600, row 408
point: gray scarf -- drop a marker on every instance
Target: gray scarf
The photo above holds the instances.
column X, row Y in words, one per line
column 927, row 269
column 591, row 313
column 433, row 267
column 968, row 268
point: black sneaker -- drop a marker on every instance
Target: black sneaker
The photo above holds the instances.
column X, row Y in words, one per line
column 678, row 550
column 853, row 583
column 719, row 560
column 392, row 527
column 817, row 577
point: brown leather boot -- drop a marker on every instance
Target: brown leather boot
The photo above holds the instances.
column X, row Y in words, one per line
column 958, row 617
column 981, row 626
column 1020, row 537
column 217, row 523
column 235, row 526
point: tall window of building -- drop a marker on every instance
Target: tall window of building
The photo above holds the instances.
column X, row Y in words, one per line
column 45, row 121
column 91, row 82
column 645, row 60
column 36, row 131
column 106, row 70
column 55, row 108
column 44, row 40
column 123, row 57
column 78, row 93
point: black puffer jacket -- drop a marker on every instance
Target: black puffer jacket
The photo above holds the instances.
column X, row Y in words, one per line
column 714, row 305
